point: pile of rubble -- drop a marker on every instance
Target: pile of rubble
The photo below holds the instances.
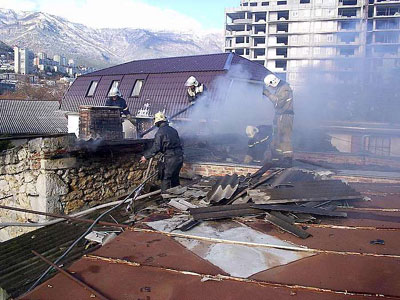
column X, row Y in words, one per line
column 283, row 197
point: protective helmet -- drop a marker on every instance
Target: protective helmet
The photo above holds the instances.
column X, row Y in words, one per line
column 159, row 117
column 251, row 131
column 115, row 92
column 271, row 80
column 191, row 81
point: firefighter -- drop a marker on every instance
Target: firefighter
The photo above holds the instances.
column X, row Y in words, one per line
column 115, row 99
column 167, row 142
column 282, row 99
column 195, row 88
column 259, row 141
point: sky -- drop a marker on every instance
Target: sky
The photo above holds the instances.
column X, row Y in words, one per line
column 181, row 15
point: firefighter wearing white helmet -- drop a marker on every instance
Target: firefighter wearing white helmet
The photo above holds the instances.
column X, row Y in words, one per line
column 167, row 142
column 258, row 144
column 128, row 123
column 282, row 99
column 195, row 88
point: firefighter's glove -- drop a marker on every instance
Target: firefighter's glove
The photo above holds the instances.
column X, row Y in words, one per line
column 143, row 160
column 266, row 92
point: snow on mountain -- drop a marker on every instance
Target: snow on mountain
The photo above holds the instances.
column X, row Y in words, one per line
column 42, row 32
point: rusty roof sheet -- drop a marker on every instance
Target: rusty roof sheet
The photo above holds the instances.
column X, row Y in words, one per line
column 142, row 263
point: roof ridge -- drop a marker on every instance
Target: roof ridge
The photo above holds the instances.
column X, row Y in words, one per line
column 153, row 59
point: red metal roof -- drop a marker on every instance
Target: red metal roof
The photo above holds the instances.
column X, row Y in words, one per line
column 141, row 264
column 164, row 80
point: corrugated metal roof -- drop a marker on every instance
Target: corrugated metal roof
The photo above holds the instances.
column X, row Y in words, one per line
column 31, row 117
column 197, row 63
column 164, row 80
column 161, row 91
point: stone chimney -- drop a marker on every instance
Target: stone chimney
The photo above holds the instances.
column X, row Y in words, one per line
column 100, row 122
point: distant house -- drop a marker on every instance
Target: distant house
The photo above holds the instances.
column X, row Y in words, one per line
column 380, row 139
column 152, row 85
column 31, row 118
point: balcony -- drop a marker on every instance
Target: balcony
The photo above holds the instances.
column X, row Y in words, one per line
column 260, row 57
column 259, row 46
column 241, row 21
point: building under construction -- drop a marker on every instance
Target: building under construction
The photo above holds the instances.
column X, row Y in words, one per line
column 335, row 36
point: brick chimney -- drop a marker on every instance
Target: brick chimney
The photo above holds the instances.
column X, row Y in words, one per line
column 100, row 122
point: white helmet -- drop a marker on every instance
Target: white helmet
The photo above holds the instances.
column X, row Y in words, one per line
column 271, row 80
column 159, row 117
column 251, row 131
column 191, row 81
column 115, row 92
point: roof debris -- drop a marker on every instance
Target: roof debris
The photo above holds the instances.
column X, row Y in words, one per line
column 242, row 240
column 296, row 194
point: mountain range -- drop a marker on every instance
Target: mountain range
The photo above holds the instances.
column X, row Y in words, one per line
column 42, row 32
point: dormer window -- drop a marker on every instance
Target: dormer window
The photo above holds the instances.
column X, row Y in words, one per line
column 92, row 89
column 137, row 88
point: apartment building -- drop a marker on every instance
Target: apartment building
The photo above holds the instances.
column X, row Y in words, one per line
column 331, row 36
column 23, row 59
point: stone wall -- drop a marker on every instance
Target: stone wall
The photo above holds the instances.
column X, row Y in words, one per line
column 55, row 175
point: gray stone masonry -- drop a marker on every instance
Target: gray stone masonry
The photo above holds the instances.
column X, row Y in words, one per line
column 51, row 175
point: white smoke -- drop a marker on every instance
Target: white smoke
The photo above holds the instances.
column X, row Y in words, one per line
column 232, row 102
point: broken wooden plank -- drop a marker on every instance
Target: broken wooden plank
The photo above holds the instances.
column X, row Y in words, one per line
column 285, row 226
column 261, row 181
column 224, row 214
column 314, row 199
column 301, row 209
column 282, row 216
column 285, row 208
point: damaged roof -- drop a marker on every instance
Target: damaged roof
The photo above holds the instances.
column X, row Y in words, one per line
column 345, row 258
column 18, row 117
column 164, row 81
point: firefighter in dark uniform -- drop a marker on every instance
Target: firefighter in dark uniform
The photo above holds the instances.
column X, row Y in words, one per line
column 259, row 141
column 128, row 123
column 167, row 142
column 115, row 99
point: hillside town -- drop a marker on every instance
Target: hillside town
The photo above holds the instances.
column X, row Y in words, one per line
column 268, row 169
column 21, row 68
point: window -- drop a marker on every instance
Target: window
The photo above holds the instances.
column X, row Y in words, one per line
column 282, row 2
column 304, row 1
column 92, row 89
column 114, row 84
column 137, row 88
column 253, row 4
column 378, row 145
column 264, row 3
column 239, row 51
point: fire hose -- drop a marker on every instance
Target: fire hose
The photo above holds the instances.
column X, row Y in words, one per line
column 169, row 119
